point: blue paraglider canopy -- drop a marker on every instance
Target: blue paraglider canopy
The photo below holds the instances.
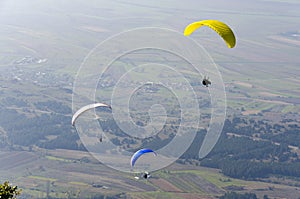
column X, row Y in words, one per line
column 138, row 154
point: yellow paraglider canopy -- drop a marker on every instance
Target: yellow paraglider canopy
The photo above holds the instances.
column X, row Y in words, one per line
column 221, row 28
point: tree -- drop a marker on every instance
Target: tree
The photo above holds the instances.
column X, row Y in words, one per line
column 9, row 192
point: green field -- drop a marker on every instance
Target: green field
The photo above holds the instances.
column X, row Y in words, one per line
column 70, row 175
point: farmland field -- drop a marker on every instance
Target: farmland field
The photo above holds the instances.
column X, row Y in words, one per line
column 76, row 176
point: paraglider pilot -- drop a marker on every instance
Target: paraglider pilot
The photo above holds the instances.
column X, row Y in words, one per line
column 206, row 81
column 145, row 175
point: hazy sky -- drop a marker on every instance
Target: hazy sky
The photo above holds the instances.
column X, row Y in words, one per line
column 60, row 25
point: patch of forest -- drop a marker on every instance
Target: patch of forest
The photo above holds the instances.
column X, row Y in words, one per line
column 247, row 148
column 240, row 153
column 28, row 128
